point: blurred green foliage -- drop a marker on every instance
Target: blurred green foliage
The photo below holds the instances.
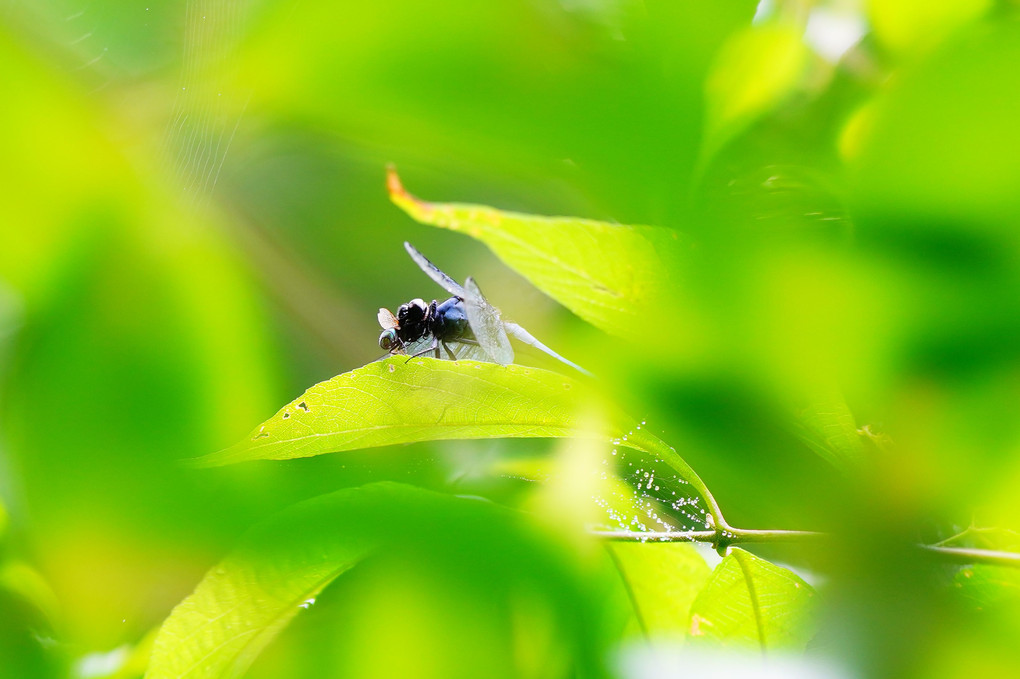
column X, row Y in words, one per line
column 194, row 228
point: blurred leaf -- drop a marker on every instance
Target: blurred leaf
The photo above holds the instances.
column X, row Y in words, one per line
column 753, row 72
column 613, row 276
column 962, row 98
column 912, row 27
column 605, row 95
column 136, row 663
column 749, row 601
column 254, row 592
column 663, row 580
column 827, row 426
column 20, row 579
column 27, row 624
column 284, row 562
column 989, row 587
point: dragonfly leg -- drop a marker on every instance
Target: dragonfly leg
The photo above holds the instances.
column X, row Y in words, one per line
column 434, row 347
column 449, row 351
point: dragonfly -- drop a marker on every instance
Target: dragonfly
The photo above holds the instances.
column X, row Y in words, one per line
column 464, row 326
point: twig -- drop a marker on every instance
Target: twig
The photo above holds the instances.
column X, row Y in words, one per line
column 724, row 537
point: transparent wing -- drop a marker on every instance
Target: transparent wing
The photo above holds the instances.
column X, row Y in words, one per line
column 459, row 351
column 433, row 272
column 486, row 324
column 526, row 337
column 467, row 352
column 386, row 319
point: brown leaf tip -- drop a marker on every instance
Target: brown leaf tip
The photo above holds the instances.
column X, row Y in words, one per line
column 400, row 196
column 393, row 184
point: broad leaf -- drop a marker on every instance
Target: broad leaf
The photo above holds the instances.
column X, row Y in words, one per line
column 827, row 426
column 397, row 401
column 615, row 277
column 988, row 588
column 752, row 73
column 662, row 580
column 749, row 601
column 251, row 595
column 282, row 564
column 911, row 28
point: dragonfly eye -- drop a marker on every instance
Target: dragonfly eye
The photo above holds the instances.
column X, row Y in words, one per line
column 388, row 339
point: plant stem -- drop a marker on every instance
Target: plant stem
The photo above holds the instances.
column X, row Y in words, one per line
column 720, row 539
column 968, row 555
column 724, row 537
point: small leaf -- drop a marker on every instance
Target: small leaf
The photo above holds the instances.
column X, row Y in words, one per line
column 751, row 601
column 988, row 588
column 753, row 72
column 827, row 426
column 914, row 27
column 613, row 276
column 662, row 580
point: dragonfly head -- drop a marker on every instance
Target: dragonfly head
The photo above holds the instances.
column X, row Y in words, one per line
column 388, row 339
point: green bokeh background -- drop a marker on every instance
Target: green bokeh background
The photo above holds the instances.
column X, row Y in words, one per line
column 194, row 228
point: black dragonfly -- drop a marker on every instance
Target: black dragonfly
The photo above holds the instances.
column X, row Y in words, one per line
column 464, row 326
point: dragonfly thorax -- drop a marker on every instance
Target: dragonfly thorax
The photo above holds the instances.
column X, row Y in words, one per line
column 446, row 322
column 414, row 319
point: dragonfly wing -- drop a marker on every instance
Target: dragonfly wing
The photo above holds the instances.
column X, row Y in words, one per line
column 433, row 272
column 486, row 324
column 526, row 337
column 386, row 319
column 465, row 352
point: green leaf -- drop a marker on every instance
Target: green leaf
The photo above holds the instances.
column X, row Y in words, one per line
column 914, row 27
column 988, row 588
column 751, row 601
column 613, row 276
column 662, row 580
column 244, row 602
column 281, row 564
column 753, row 72
column 250, row 596
column 397, row 401
column 827, row 426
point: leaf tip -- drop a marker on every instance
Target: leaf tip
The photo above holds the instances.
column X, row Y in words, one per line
column 204, row 461
column 413, row 205
column 393, row 183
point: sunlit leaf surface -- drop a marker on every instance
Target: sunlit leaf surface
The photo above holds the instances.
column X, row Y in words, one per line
column 400, row 401
column 827, row 426
column 749, row 601
column 614, row 276
column 662, row 581
column 282, row 564
column 754, row 71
